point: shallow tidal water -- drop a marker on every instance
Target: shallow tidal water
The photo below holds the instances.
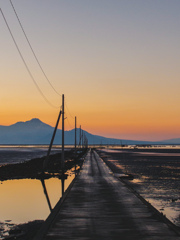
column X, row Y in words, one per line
column 24, row 200
column 18, row 154
column 156, row 176
column 166, row 200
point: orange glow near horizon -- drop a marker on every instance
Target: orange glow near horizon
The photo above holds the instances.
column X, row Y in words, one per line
column 120, row 77
column 126, row 123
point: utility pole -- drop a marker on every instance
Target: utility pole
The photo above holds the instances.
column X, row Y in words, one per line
column 80, row 136
column 62, row 153
column 75, row 136
column 75, row 146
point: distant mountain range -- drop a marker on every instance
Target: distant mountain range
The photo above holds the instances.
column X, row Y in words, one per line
column 37, row 132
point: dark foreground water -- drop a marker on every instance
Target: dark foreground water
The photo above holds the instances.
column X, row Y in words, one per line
column 156, row 176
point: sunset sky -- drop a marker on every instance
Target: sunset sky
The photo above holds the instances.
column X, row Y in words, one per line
column 116, row 62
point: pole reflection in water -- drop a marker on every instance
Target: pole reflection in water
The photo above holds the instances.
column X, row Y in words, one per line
column 23, row 200
column 46, row 194
column 62, row 184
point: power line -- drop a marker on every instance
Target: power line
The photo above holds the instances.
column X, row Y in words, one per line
column 27, row 68
column 69, row 111
column 68, row 118
column 35, row 56
column 69, row 123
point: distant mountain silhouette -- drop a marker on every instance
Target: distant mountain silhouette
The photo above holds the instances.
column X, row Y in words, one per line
column 173, row 141
column 37, row 132
column 30, row 132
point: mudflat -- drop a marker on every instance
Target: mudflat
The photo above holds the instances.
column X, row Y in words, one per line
column 156, row 175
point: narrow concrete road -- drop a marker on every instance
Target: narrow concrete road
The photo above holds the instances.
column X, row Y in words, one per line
column 99, row 206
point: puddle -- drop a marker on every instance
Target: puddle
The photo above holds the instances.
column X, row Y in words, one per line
column 170, row 210
column 156, row 176
column 136, row 180
column 24, row 200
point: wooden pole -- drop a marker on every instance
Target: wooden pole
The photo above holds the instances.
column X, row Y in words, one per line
column 75, row 146
column 75, row 135
column 80, row 136
column 62, row 153
column 51, row 143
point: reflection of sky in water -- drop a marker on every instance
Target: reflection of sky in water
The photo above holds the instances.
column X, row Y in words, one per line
column 158, row 154
column 157, row 177
column 170, row 209
column 136, row 180
column 161, row 195
column 24, row 200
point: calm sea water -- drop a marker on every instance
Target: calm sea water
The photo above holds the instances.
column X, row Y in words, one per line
column 23, row 200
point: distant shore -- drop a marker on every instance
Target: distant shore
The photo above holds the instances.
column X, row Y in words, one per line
column 34, row 168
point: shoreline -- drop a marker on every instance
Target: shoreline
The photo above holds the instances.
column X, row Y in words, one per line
column 33, row 168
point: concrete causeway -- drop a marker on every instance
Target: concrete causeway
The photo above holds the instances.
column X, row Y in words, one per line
column 100, row 206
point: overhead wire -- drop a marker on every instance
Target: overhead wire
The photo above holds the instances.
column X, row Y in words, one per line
column 69, row 123
column 68, row 110
column 67, row 117
column 33, row 52
column 22, row 58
